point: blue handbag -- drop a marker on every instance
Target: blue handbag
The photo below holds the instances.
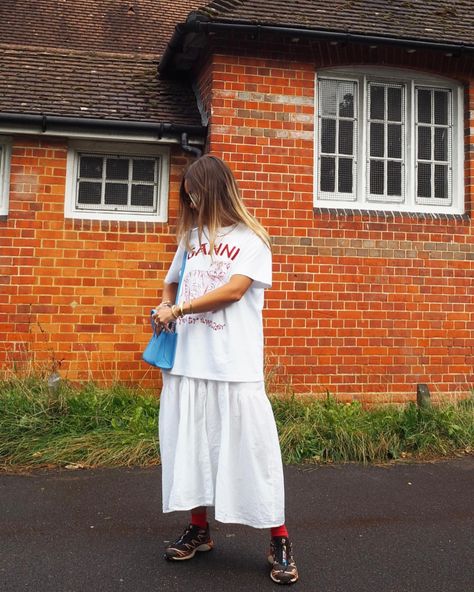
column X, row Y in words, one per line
column 161, row 348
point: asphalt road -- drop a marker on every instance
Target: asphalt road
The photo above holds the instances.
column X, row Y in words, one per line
column 406, row 528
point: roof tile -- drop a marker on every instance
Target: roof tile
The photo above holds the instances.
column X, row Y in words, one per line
column 81, row 58
column 436, row 20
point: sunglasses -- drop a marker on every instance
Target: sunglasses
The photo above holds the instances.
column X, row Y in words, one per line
column 194, row 199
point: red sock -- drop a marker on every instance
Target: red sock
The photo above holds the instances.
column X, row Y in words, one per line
column 199, row 519
column 279, row 531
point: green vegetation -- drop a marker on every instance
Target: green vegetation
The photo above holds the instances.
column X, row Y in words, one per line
column 86, row 426
column 90, row 426
column 331, row 431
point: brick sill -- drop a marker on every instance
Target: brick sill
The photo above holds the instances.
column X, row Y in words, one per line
column 381, row 215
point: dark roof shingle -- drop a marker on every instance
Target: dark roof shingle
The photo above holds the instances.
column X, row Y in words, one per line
column 88, row 59
column 435, row 20
column 92, row 86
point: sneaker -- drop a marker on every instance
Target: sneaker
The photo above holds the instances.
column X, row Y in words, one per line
column 193, row 539
column 284, row 569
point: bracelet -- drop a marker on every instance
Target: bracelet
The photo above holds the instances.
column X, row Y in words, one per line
column 173, row 311
column 181, row 309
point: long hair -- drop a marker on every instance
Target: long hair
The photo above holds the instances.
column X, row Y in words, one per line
column 212, row 186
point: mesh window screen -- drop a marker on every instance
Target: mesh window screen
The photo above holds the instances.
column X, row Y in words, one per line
column 337, row 114
column 386, row 140
column 434, row 146
column 117, row 183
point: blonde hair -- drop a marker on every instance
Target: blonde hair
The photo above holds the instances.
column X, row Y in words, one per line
column 211, row 184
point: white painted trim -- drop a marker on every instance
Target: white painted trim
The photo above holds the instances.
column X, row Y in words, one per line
column 5, row 159
column 411, row 78
column 126, row 149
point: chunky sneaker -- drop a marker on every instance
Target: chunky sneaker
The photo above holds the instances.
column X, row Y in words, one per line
column 284, row 569
column 193, row 539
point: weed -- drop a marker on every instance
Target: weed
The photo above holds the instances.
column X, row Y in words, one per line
column 92, row 426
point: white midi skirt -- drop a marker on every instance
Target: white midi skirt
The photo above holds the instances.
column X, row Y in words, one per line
column 219, row 447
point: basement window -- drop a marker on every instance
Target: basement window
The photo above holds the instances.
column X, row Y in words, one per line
column 388, row 140
column 5, row 156
column 108, row 181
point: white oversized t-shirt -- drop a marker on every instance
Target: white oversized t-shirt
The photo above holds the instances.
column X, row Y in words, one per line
column 225, row 344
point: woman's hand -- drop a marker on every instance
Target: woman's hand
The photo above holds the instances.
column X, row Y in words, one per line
column 163, row 316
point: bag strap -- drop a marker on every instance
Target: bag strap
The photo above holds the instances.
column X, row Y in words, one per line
column 181, row 273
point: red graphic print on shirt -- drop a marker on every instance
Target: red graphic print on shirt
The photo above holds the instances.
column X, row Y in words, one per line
column 198, row 282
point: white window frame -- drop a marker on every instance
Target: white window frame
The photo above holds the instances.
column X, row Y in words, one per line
column 412, row 80
column 5, row 158
column 127, row 150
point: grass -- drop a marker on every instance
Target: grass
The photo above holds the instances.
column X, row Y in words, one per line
column 89, row 426
column 86, row 426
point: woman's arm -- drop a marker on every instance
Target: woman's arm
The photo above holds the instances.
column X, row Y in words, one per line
column 169, row 293
column 230, row 292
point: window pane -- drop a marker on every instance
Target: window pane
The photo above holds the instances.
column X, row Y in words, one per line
column 117, row 168
column 346, row 106
column 346, row 137
column 142, row 195
column 328, row 97
column 89, row 193
column 441, row 143
column 377, row 102
column 376, row 139
column 144, row 170
column 328, row 173
column 441, row 107
column 424, row 143
column 394, row 141
column 328, row 136
column 424, row 106
column 394, row 178
column 424, row 180
column 345, row 175
column 336, row 97
column 394, row 100
column 91, row 167
column 377, row 177
column 116, row 194
column 441, row 181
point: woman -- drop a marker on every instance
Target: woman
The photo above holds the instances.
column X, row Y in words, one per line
column 218, row 439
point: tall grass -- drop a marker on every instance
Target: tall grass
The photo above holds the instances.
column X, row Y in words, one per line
column 331, row 431
column 91, row 426
column 86, row 426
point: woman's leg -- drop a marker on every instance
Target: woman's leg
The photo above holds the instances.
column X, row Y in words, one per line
column 284, row 570
column 199, row 517
column 196, row 537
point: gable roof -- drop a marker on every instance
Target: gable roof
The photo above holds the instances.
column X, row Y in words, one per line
column 85, row 59
column 435, row 20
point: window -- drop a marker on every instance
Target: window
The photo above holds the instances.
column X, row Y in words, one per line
column 117, row 181
column 5, row 155
column 386, row 139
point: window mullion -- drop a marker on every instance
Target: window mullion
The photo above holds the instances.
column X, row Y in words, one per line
column 130, row 178
column 104, row 180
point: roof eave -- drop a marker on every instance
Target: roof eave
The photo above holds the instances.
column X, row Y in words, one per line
column 198, row 23
column 51, row 124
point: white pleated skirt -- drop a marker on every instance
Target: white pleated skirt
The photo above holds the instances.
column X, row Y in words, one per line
column 219, row 447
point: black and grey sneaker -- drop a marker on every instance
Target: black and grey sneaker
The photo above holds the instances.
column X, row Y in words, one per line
column 284, row 569
column 193, row 539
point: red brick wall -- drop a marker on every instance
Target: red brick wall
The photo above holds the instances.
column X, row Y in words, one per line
column 76, row 291
column 363, row 305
